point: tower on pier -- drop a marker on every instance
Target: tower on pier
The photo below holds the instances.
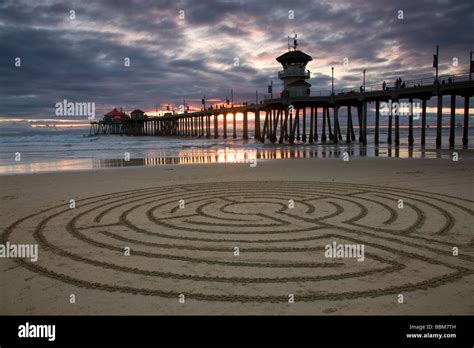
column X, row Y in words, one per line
column 294, row 73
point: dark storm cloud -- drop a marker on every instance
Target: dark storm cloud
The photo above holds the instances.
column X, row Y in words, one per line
column 173, row 59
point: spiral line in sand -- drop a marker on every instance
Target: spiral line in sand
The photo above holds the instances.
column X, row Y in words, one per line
column 191, row 250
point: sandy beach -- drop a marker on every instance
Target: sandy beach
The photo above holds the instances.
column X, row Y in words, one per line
column 182, row 224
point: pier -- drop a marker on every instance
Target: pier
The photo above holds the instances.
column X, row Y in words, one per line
column 285, row 119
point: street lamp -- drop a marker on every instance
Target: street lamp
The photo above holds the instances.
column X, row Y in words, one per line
column 436, row 62
column 332, row 80
column 364, row 80
column 471, row 66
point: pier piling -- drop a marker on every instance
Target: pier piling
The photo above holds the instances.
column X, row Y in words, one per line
column 410, row 124
column 466, row 121
column 377, row 121
column 452, row 122
column 439, row 121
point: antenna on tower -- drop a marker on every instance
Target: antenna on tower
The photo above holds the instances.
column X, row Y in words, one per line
column 295, row 42
column 289, row 47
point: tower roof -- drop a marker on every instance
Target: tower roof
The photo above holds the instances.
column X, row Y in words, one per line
column 294, row 57
column 114, row 113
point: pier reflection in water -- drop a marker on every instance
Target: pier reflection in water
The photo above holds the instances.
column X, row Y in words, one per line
column 236, row 154
column 245, row 155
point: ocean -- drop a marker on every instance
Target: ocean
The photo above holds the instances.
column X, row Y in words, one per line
column 50, row 149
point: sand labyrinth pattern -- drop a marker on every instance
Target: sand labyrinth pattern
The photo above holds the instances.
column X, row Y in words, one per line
column 190, row 250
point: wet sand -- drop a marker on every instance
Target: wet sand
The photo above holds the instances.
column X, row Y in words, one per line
column 182, row 224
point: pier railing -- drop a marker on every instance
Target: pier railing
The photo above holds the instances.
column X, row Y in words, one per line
column 419, row 82
column 376, row 87
column 296, row 72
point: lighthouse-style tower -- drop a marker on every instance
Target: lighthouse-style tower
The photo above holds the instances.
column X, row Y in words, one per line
column 294, row 73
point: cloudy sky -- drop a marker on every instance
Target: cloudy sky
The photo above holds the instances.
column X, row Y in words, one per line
column 173, row 58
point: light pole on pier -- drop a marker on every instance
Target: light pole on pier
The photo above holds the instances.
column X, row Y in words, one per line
column 332, row 80
column 471, row 66
column 364, row 79
column 435, row 62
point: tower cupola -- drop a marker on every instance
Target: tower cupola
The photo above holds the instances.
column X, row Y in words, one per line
column 294, row 73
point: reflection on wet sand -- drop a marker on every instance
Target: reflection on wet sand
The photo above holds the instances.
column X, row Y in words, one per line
column 245, row 154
